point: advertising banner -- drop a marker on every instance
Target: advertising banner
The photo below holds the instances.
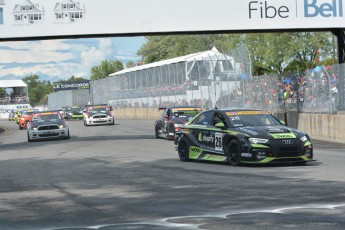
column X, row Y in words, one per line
column 59, row 86
column 58, row 18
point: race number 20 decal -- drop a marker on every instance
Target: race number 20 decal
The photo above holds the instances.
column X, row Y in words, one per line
column 218, row 141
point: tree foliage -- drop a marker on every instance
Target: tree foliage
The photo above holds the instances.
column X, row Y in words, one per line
column 105, row 69
column 269, row 52
column 159, row 48
column 75, row 79
column 38, row 90
column 3, row 92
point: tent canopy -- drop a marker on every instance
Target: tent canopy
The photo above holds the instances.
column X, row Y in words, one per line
column 12, row 84
column 209, row 55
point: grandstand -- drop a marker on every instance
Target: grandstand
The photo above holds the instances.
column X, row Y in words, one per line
column 15, row 97
column 198, row 76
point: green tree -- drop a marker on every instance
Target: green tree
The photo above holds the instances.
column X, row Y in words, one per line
column 105, row 69
column 309, row 47
column 38, row 90
column 130, row 64
column 2, row 92
column 75, row 79
column 275, row 53
column 159, row 48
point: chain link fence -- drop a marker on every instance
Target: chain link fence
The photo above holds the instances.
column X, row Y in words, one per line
column 197, row 79
column 68, row 98
column 212, row 79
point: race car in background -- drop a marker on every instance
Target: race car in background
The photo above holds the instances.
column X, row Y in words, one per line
column 74, row 113
column 173, row 118
column 25, row 117
column 47, row 125
column 98, row 115
column 242, row 136
column 12, row 115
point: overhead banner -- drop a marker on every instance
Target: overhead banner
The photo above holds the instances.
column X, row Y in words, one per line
column 59, row 86
column 41, row 18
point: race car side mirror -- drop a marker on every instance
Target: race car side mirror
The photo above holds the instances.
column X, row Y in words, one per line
column 220, row 125
column 282, row 122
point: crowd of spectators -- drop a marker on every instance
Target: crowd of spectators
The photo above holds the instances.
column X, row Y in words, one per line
column 311, row 91
column 307, row 92
column 13, row 99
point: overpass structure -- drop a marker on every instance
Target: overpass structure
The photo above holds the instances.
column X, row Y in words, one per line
column 41, row 19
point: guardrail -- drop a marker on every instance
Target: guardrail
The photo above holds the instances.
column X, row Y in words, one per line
column 327, row 127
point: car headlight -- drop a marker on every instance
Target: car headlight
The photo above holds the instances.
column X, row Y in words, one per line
column 177, row 125
column 304, row 138
column 258, row 140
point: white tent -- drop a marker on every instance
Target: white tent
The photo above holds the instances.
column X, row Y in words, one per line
column 212, row 56
column 18, row 86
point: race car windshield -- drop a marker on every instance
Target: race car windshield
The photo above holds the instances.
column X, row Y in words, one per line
column 241, row 120
column 76, row 110
column 28, row 113
column 48, row 117
column 98, row 110
column 185, row 114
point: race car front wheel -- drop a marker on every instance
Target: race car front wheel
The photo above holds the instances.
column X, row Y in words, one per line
column 234, row 153
column 183, row 151
column 29, row 139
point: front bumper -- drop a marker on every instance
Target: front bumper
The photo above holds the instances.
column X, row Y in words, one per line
column 100, row 121
column 277, row 152
column 78, row 117
column 48, row 134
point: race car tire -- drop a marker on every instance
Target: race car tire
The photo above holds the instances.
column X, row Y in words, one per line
column 168, row 136
column 156, row 132
column 29, row 139
column 234, row 153
column 183, row 151
column 68, row 136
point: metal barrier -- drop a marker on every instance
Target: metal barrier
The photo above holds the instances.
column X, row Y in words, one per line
column 212, row 79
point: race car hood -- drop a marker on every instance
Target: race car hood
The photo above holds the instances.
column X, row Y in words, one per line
column 27, row 117
column 99, row 114
column 76, row 113
column 271, row 132
column 38, row 123
column 177, row 120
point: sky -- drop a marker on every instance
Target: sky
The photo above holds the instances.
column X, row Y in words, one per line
column 56, row 60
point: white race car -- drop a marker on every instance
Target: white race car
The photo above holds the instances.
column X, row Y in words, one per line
column 47, row 125
column 98, row 115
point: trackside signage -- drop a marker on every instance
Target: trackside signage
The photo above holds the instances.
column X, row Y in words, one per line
column 41, row 18
column 59, row 86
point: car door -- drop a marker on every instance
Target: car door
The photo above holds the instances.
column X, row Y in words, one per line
column 218, row 132
column 166, row 116
column 200, row 130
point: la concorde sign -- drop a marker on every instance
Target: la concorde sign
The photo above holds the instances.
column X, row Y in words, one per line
column 30, row 19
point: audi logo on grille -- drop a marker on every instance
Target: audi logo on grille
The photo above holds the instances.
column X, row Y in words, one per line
column 287, row 142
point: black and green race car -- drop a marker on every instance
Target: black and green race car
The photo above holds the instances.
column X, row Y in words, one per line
column 239, row 136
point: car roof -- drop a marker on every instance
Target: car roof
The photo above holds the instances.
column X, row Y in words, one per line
column 96, row 105
column 180, row 107
column 50, row 111
column 235, row 109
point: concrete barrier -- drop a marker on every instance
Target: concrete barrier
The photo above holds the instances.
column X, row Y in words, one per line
column 137, row 113
column 323, row 126
column 318, row 126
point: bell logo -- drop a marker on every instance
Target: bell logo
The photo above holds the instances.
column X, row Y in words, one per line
column 323, row 8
